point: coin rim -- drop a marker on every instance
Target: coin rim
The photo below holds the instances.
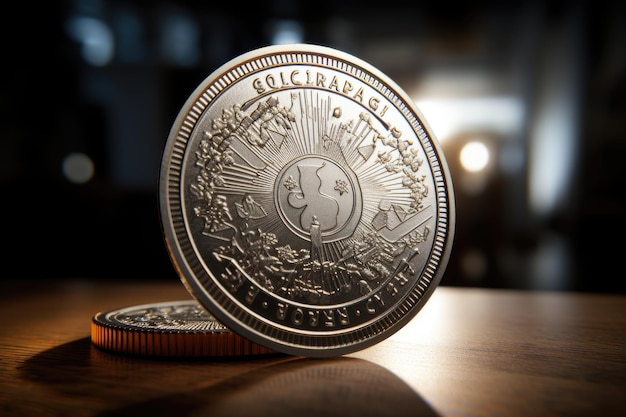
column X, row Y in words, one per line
column 445, row 217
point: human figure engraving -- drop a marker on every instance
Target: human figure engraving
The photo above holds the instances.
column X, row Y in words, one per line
column 316, row 241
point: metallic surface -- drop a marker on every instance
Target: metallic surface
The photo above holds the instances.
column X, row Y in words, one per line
column 305, row 202
column 171, row 329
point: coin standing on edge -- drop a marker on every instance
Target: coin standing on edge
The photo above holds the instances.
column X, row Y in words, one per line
column 177, row 329
column 305, row 203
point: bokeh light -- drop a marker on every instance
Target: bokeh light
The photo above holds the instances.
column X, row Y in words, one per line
column 474, row 156
column 78, row 168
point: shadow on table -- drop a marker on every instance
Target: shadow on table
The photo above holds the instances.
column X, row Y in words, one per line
column 110, row 384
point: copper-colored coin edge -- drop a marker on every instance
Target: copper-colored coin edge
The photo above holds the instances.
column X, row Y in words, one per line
column 183, row 343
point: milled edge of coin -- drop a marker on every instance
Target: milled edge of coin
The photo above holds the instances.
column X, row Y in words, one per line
column 170, row 201
column 173, row 341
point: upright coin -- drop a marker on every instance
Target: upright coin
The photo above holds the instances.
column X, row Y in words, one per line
column 305, row 202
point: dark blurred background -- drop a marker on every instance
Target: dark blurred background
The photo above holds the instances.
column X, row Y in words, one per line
column 528, row 101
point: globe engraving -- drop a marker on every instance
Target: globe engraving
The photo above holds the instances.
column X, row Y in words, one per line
column 314, row 192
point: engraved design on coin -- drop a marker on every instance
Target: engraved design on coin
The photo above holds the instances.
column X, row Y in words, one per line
column 304, row 202
column 317, row 193
column 176, row 316
column 182, row 329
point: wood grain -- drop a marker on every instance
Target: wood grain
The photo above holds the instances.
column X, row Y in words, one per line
column 469, row 352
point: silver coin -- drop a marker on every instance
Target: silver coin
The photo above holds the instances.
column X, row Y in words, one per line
column 305, row 201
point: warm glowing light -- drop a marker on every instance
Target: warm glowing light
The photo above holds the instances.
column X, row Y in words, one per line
column 78, row 168
column 449, row 117
column 474, row 156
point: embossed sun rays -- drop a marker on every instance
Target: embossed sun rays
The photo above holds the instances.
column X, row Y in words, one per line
column 332, row 127
column 242, row 160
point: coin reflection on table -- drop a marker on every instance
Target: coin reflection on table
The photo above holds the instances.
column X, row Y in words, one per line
column 296, row 387
column 262, row 385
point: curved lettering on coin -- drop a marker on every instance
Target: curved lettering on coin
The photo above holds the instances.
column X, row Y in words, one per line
column 305, row 202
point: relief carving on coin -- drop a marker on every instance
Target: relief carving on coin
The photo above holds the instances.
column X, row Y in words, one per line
column 305, row 203
column 177, row 316
column 310, row 196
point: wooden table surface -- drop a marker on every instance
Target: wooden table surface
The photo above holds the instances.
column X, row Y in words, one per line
column 469, row 352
